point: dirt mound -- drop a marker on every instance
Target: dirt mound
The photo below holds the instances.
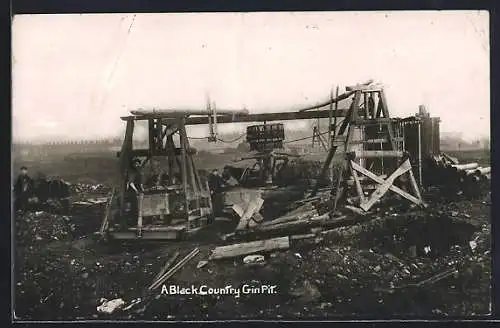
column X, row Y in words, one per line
column 39, row 228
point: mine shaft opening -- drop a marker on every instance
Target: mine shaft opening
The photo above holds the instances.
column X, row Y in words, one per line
column 431, row 237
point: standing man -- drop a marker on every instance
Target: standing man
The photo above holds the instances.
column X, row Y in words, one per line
column 216, row 183
column 134, row 186
column 23, row 190
column 135, row 182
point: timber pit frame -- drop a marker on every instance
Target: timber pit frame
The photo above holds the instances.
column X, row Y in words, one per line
column 163, row 124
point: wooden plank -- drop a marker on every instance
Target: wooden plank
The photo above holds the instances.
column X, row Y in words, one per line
column 162, row 152
column 384, row 186
column 376, row 121
column 164, row 269
column 105, row 222
column 377, row 153
column 253, row 247
column 182, row 139
column 291, row 217
column 350, row 182
column 140, row 198
column 255, row 220
column 261, row 117
column 238, row 210
column 320, row 220
column 252, row 208
column 175, row 268
column 359, row 190
column 414, row 184
column 376, row 141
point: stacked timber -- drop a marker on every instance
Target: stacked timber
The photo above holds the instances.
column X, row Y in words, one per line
column 469, row 179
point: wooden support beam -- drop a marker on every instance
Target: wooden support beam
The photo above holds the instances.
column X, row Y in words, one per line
column 357, row 184
column 261, row 117
column 163, row 152
column 125, row 160
column 140, row 199
column 384, row 186
column 377, row 153
column 376, row 141
column 393, row 188
column 183, row 137
column 252, row 208
column 373, row 121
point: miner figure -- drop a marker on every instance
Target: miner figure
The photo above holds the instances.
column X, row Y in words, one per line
column 216, row 184
column 23, row 190
column 134, row 186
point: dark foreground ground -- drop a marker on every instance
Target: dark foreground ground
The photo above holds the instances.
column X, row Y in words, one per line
column 368, row 269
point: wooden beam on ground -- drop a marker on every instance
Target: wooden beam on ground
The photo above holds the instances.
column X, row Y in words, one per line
column 253, row 247
column 174, row 269
column 291, row 217
column 315, row 221
column 164, row 269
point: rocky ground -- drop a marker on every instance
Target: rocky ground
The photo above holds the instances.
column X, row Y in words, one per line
column 378, row 268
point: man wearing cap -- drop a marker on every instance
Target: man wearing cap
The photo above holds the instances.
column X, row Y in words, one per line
column 23, row 189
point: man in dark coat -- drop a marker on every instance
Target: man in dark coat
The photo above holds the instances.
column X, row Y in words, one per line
column 134, row 185
column 216, row 184
column 23, row 190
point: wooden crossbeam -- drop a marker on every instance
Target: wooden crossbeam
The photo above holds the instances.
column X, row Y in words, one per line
column 384, row 187
column 163, row 152
column 377, row 153
column 376, row 141
column 393, row 188
column 261, row 117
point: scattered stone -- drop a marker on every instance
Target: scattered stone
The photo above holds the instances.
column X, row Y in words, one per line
column 201, row 264
column 111, row 306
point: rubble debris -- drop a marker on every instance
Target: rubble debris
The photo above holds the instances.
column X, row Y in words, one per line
column 201, row 264
column 109, row 307
column 306, row 292
column 254, row 260
column 236, row 250
column 132, row 304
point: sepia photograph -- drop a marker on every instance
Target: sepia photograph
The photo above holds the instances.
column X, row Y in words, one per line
column 240, row 166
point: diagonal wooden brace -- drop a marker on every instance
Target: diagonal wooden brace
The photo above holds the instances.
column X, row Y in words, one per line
column 386, row 184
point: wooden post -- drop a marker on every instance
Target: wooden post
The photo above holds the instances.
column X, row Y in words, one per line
column 420, row 152
column 182, row 135
column 357, row 183
column 330, row 120
column 140, row 199
column 125, row 159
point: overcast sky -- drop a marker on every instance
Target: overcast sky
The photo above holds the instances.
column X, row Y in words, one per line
column 74, row 75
